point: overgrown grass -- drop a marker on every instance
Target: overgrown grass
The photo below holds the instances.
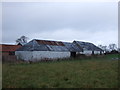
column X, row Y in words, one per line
column 99, row 72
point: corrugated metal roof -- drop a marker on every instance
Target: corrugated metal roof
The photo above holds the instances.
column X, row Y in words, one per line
column 72, row 47
column 57, row 48
column 46, row 42
column 6, row 47
column 87, row 46
column 52, row 45
column 43, row 45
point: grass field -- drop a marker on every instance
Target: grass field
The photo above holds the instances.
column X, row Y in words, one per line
column 99, row 72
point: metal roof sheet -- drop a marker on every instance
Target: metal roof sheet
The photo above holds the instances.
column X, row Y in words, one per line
column 87, row 46
column 72, row 47
column 46, row 42
column 43, row 45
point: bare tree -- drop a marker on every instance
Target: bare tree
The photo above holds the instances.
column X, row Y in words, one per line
column 22, row 40
column 112, row 46
column 103, row 47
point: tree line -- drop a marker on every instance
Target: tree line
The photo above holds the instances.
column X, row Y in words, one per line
column 111, row 48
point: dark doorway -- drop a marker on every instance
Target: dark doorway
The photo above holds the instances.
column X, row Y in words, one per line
column 92, row 52
column 73, row 54
column 11, row 53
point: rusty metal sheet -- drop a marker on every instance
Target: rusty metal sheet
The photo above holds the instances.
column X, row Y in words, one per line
column 42, row 45
column 46, row 42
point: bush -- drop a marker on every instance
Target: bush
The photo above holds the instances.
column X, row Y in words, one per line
column 114, row 52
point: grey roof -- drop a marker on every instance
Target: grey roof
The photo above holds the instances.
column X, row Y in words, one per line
column 33, row 46
column 45, row 45
column 87, row 46
column 72, row 47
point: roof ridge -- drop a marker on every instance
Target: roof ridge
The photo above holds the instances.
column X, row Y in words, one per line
column 46, row 40
column 85, row 42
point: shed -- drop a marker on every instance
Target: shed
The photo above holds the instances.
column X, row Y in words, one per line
column 7, row 49
column 45, row 49
column 88, row 48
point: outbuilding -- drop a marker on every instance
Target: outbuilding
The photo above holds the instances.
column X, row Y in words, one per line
column 7, row 49
column 88, row 48
column 44, row 49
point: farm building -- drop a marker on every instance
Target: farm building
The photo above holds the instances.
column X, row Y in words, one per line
column 9, row 49
column 44, row 49
column 73, row 48
column 88, row 48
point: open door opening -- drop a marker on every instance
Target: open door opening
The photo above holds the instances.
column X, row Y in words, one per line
column 73, row 54
column 93, row 53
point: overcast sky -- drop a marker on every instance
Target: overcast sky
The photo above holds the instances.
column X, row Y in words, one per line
column 95, row 22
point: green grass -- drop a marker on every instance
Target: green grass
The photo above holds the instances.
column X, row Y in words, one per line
column 89, row 73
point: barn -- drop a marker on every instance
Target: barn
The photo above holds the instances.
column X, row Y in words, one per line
column 88, row 48
column 45, row 49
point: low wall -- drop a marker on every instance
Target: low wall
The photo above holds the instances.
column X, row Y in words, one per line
column 39, row 55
